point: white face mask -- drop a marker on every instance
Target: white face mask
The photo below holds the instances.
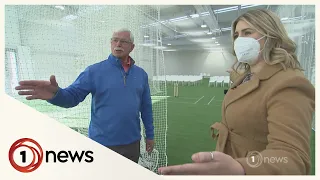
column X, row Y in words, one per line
column 247, row 49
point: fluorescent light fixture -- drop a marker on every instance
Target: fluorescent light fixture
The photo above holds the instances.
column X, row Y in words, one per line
column 179, row 19
column 193, row 33
column 170, row 50
column 146, row 36
column 297, row 18
column 59, row 7
column 285, row 19
column 210, row 32
column 217, row 11
column 180, row 36
column 176, row 36
column 234, row 8
column 194, row 15
column 201, row 40
column 222, row 10
column 153, row 24
column 226, row 29
column 203, row 26
column 217, row 30
column 213, row 38
column 205, row 14
column 248, row 6
column 70, row 17
column 169, row 44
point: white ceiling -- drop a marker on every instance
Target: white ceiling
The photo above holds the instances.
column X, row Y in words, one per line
column 297, row 19
column 185, row 33
column 189, row 33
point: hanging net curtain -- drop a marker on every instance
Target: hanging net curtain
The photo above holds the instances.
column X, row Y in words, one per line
column 299, row 21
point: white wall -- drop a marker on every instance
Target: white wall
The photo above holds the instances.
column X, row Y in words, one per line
column 195, row 62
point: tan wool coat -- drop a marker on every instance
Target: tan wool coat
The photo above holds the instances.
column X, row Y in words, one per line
column 266, row 122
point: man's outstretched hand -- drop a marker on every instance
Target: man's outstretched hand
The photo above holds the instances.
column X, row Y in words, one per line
column 38, row 89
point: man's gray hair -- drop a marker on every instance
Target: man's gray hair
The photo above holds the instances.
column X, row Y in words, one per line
column 126, row 30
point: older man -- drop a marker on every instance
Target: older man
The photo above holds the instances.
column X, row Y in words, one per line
column 120, row 92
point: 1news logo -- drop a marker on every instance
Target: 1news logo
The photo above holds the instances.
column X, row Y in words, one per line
column 26, row 155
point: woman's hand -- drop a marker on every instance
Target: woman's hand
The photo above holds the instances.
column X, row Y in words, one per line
column 206, row 163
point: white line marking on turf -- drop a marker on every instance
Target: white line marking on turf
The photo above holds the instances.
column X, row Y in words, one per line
column 187, row 98
column 179, row 102
column 211, row 100
column 198, row 100
column 219, row 105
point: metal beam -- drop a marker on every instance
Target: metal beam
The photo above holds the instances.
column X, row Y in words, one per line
column 211, row 22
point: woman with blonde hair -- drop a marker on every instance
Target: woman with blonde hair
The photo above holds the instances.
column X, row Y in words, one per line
column 267, row 113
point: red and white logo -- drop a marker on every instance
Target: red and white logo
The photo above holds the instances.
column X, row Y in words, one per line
column 25, row 155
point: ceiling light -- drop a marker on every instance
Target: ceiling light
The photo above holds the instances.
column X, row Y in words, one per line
column 205, row 14
column 213, row 38
column 210, row 32
column 169, row 44
column 178, row 19
column 193, row 33
column 146, row 36
column 232, row 8
column 194, row 15
column 203, row 26
column 248, row 6
column 59, row 7
column 285, row 19
column 226, row 29
column 217, row 30
column 217, row 11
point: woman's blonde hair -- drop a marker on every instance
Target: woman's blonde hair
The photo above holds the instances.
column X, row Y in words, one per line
column 278, row 48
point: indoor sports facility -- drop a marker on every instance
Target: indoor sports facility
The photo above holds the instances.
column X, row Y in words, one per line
column 185, row 50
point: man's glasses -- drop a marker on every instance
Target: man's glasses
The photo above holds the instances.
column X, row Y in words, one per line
column 115, row 40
